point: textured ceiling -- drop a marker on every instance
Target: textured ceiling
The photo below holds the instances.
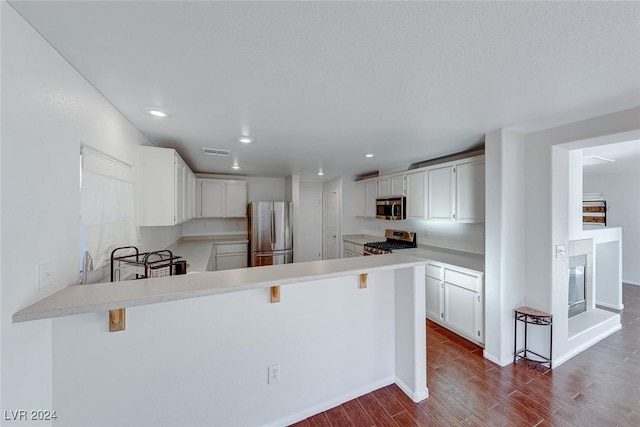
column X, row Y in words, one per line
column 319, row 84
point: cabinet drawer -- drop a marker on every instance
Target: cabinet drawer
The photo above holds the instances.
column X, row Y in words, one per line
column 231, row 248
column 464, row 280
column 348, row 246
column 432, row 270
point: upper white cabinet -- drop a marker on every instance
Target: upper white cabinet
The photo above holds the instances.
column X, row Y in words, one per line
column 416, row 195
column 359, row 198
column 456, row 191
column 470, row 191
column 391, row 186
column 364, row 198
column 370, row 194
column 218, row 198
column 163, row 192
column 441, row 193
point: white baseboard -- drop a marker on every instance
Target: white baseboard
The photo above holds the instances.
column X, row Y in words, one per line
column 416, row 396
column 631, row 282
column 560, row 360
column 332, row 403
column 497, row 360
column 613, row 306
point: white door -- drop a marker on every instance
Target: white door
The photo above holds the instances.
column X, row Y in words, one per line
column 330, row 225
column 416, row 191
column 433, row 296
column 441, row 193
column 311, row 225
column 460, row 310
column 470, row 192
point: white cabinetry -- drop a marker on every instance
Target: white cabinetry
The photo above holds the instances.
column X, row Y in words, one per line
column 470, row 191
column 163, row 191
column 352, row 249
column 364, row 198
column 454, row 299
column 228, row 256
column 416, row 195
column 441, row 193
column 391, row 186
column 456, row 191
column 217, row 198
column 371, row 192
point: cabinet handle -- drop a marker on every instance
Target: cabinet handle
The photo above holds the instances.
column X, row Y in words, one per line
column 442, row 315
column 478, row 298
column 478, row 333
column 442, row 285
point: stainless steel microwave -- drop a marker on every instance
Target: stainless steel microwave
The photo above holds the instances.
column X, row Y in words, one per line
column 391, row 208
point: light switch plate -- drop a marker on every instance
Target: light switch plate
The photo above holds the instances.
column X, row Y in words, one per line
column 44, row 275
column 560, row 251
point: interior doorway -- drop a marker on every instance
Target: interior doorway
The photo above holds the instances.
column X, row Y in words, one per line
column 330, row 225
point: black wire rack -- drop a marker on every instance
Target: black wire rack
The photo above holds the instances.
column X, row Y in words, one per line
column 142, row 265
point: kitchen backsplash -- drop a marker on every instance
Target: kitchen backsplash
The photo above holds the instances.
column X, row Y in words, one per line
column 449, row 235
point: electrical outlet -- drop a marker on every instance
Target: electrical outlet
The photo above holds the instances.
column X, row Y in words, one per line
column 274, row 374
column 44, row 275
column 426, row 232
column 560, row 251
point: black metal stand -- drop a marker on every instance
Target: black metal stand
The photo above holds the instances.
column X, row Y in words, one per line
column 535, row 317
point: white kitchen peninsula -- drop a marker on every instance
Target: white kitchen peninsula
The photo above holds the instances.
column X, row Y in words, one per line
column 201, row 344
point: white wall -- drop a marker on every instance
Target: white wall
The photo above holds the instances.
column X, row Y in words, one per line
column 504, row 248
column 621, row 190
column 48, row 111
column 203, row 361
column 547, row 209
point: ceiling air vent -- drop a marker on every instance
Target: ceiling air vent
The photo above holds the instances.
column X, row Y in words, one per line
column 215, row 151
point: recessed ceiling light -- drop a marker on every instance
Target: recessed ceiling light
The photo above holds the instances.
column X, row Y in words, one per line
column 245, row 139
column 320, row 172
column 235, row 166
column 369, row 155
column 156, row 112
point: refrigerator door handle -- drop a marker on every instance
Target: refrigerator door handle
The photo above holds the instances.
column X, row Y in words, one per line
column 273, row 227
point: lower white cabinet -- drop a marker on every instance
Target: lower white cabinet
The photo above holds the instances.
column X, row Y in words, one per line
column 455, row 299
column 352, row 249
column 227, row 256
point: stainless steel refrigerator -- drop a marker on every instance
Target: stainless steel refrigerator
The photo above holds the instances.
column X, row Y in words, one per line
column 270, row 233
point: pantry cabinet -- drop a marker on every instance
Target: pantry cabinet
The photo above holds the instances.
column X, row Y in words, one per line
column 219, row 198
column 455, row 299
column 163, row 187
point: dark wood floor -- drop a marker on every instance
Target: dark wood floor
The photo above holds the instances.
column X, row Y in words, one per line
column 599, row 387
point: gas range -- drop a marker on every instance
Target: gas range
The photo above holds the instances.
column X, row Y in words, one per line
column 395, row 240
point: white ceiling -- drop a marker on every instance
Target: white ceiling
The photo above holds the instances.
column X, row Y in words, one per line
column 626, row 156
column 319, row 84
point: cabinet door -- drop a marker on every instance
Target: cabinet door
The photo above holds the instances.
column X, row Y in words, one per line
column 470, row 191
column 156, row 186
column 384, row 187
column 371, row 192
column 433, row 297
column 236, row 199
column 416, row 195
column 359, row 199
column 231, row 261
column 397, row 185
column 179, row 191
column 441, row 193
column 211, row 198
column 461, row 310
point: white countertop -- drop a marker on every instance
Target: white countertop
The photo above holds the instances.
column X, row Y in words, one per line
column 76, row 299
column 468, row 260
column 455, row 258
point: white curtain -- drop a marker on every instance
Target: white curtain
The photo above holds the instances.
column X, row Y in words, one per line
column 107, row 207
